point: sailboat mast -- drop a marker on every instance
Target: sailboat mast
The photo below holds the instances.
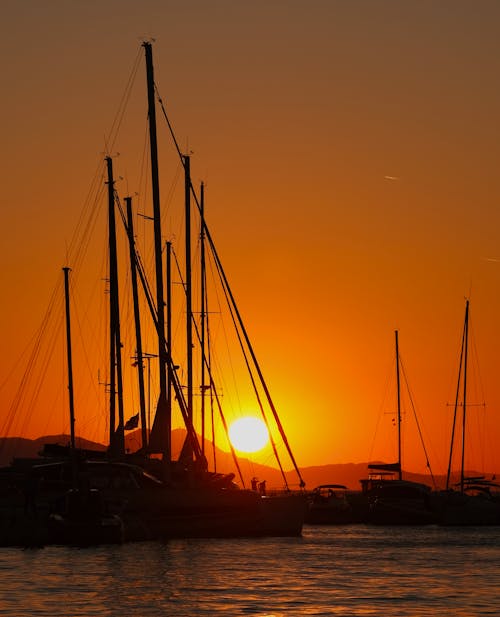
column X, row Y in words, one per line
column 249, row 345
column 137, row 321
column 399, row 406
column 117, row 441
column 466, row 345
column 457, row 394
column 239, row 320
column 189, row 308
column 202, row 313
column 170, row 366
column 160, row 304
column 70, row 361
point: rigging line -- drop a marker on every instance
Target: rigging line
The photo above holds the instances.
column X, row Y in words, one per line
column 379, row 415
column 475, row 363
column 20, row 394
column 225, row 284
column 460, row 366
column 240, row 321
column 214, row 394
column 264, row 415
column 84, row 349
column 86, row 225
column 88, row 219
column 213, row 391
column 207, row 345
column 86, row 214
column 179, row 273
column 143, row 167
column 254, row 385
column 175, row 378
column 171, row 192
column 209, row 360
column 37, row 340
column 139, row 264
column 226, row 429
column 208, row 333
column 82, row 218
column 477, row 379
column 232, row 305
column 212, row 424
column 117, row 122
column 222, row 325
column 16, row 364
column 427, row 461
column 252, row 354
column 182, row 163
column 45, row 362
column 170, row 128
column 143, row 186
column 213, row 387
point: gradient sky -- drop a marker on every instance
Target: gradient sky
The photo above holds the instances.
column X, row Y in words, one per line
column 350, row 150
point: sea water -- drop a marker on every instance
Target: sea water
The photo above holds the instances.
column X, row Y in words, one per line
column 337, row 570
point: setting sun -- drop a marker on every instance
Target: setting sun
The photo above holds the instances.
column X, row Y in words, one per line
column 248, row 434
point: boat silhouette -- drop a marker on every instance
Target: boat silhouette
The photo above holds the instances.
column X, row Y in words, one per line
column 153, row 495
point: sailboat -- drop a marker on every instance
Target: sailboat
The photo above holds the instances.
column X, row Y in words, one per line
column 392, row 500
column 193, row 501
column 156, row 496
column 471, row 500
column 197, row 501
column 81, row 518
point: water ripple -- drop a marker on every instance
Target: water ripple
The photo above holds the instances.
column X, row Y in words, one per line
column 357, row 570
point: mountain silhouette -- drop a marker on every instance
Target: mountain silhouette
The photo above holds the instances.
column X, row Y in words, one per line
column 348, row 474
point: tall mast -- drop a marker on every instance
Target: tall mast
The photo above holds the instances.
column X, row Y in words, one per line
column 117, row 441
column 170, row 367
column 246, row 338
column 187, row 451
column 189, row 308
column 137, row 321
column 202, row 314
column 466, row 343
column 399, row 407
column 70, row 361
column 457, row 394
column 160, row 304
column 239, row 320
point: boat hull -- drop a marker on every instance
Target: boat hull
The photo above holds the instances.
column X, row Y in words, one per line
column 84, row 532
column 196, row 513
column 457, row 509
column 201, row 506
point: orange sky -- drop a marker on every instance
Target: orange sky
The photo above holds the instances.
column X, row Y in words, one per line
column 350, row 152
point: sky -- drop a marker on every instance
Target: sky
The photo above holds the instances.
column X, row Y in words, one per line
column 349, row 151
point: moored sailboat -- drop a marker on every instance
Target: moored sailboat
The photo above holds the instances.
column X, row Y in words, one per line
column 392, row 500
column 155, row 495
column 81, row 517
column 471, row 501
column 197, row 501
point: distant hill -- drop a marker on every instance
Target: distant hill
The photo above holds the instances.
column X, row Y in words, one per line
column 18, row 447
column 348, row 474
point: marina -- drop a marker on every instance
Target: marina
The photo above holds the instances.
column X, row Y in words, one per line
column 241, row 206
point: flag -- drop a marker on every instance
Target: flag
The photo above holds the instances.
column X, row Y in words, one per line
column 131, row 423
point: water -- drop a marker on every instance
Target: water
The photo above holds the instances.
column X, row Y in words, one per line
column 351, row 570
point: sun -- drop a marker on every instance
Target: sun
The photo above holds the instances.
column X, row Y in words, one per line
column 248, row 434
